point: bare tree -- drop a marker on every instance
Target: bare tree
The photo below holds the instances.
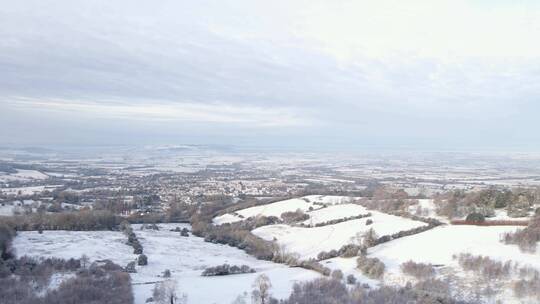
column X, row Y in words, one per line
column 85, row 261
column 165, row 293
column 261, row 290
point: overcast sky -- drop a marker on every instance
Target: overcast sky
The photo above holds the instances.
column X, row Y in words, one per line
column 414, row 74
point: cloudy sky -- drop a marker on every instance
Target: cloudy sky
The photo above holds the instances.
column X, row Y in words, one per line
column 394, row 74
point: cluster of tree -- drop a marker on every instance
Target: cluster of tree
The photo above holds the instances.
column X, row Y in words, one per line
column 26, row 281
column 527, row 288
column 234, row 235
column 282, row 256
column 38, row 270
column 340, row 220
column 346, row 251
column 257, row 221
column 485, row 266
column 132, row 241
column 84, row 220
column 459, row 203
column 420, row 271
column 323, row 291
column 527, row 239
column 291, row 217
column 371, row 267
column 166, row 293
column 226, row 269
column 314, row 265
column 389, row 205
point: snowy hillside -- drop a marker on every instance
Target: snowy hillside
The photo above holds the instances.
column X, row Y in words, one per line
column 185, row 257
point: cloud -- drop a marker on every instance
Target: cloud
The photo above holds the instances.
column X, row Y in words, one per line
column 219, row 113
column 349, row 69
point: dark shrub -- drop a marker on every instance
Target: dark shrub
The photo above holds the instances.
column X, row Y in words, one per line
column 142, row 260
column 226, row 269
column 476, row 217
column 130, row 268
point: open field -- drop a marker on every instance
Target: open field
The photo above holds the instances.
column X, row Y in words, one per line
column 185, row 257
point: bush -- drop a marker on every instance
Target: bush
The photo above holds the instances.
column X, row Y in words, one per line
column 526, row 238
column 323, row 255
column 318, row 291
column 142, row 260
column 315, row 266
column 226, row 269
column 485, row 266
column 527, row 288
column 235, row 235
column 351, row 279
column 350, row 250
column 167, row 273
column 371, row 267
column 294, row 217
column 130, row 268
column 476, row 217
column 324, row 291
column 101, row 283
column 341, row 220
column 418, row 270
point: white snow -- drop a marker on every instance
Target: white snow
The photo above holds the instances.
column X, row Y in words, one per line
column 97, row 245
column 23, row 175
column 277, row 208
column 27, row 190
column 226, row 218
column 437, row 246
column 7, row 210
column 308, row 242
column 334, row 212
column 185, row 257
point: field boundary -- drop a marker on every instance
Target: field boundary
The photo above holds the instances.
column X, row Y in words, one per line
column 490, row 223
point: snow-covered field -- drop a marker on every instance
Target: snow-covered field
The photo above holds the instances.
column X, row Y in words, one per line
column 27, row 190
column 8, row 210
column 308, row 242
column 97, row 245
column 23, row 175
column 334, row 212
column 185, row 257
column 276, row 209
column 437, row 246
